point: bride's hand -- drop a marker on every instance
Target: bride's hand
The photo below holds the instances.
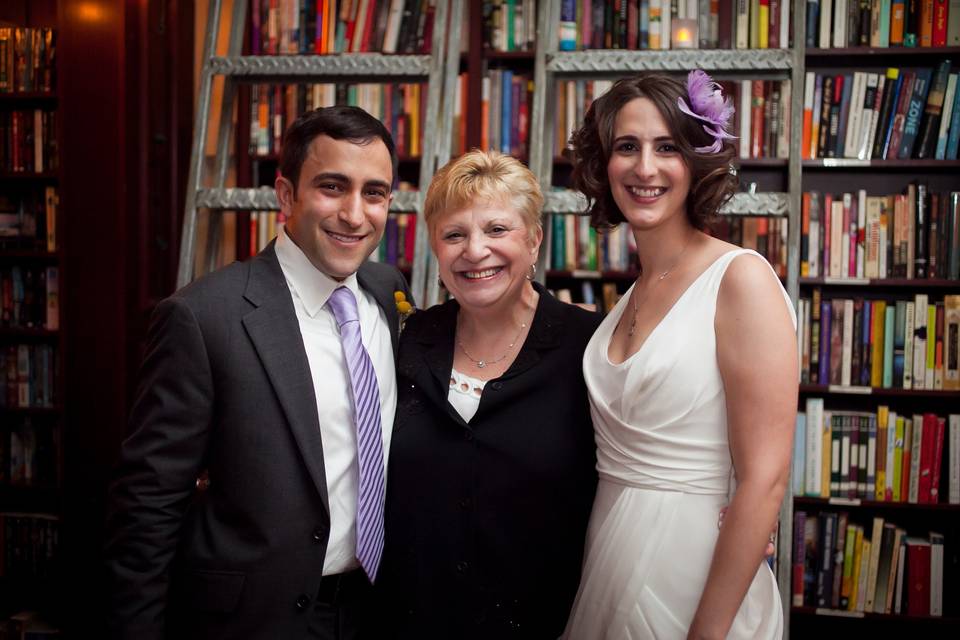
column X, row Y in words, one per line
column 771, row 546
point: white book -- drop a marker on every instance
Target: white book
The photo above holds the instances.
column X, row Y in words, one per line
column 845, row 235
column 853, row 120
column 866, row 114
column 798, row 470
column 814, row 455
column 876, row 537
column 825, row 24
column 814, row 239
column 802, row 305
column 867, row 553
column 817, row 106
column 665, row 27
column 836, row 239
column 840, row 23
column 919, row 340
column 847, row 352
column 945, row 118
column 953, row 446
column 392, row 33
column 913, row 484
column 785, row 24
column 936, row 574
column 742, row 25
column 872, row 458
column 746, row 88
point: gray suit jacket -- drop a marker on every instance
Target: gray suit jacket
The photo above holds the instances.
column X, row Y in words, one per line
column 225, row 387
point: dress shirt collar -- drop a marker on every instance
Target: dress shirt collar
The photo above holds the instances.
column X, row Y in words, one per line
column 311, row 285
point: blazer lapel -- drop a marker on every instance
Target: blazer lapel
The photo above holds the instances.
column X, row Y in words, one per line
column 275, row 334
column 382, row 292
column 436, row 341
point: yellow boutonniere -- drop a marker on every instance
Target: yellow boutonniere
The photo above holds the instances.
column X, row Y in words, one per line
column 404, row 308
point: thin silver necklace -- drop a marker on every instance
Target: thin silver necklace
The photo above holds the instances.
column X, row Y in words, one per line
column 483, row 363
column 633, row 298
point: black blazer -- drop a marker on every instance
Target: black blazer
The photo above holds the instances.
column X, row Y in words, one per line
column 485, row 522
column 225, row 387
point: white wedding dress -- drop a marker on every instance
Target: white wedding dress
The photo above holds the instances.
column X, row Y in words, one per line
column 665, row 473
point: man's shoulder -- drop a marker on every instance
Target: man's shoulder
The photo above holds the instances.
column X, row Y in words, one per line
column 382, row 272
column 224, row 282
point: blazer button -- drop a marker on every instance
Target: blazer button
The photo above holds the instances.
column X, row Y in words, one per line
column 468, row 435
column 302, row 602
column 463, row 566
column 466, row 503
column 497, row 386
column 318, row 535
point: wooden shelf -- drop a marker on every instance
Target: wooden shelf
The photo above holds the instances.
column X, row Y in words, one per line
column 818, row 389
column 48, row 176
column 760, row 163
column 29, row 499
column 30, row 411
column 27, row 254
column 28, row 96
column 814, row 611
column 831, row 55
column 493, row 54
column 856, row 503
column 24, row 332
column 912, row 283
column 834, row 164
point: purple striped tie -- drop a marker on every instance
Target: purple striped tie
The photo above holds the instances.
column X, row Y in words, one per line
column 366, row 405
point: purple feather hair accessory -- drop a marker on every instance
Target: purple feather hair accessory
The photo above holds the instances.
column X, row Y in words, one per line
column 708, row 104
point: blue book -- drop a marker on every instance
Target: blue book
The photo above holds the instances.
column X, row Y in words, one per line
column 898, row 341
column 941, row 151
column 888, row 125
column 914, row 113
column 953, row 138
column 813, row 22
column 826, row 312
column 568, row 25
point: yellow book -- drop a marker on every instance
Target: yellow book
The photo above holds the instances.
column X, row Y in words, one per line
column 931, row 345
column 876, row 362
column 951, row 343
column 881, row 472
column 846, row 583
column 855, row 576
column 897, row 459
column 763, row 25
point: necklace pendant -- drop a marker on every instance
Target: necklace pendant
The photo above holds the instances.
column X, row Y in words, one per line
column 481, row 364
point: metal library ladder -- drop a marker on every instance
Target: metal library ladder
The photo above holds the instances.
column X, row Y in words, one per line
column 210, row 195
column 552, row 64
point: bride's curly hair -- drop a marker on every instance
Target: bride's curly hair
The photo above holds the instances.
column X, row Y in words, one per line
column 711, row 181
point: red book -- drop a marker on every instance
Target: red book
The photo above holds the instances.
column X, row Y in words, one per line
column 725, row 31
column 926, row 458
column 918, row 577
column 774, row 34
column 937, row 460
column 939, row 23
column 825, row 223
column 410, row 240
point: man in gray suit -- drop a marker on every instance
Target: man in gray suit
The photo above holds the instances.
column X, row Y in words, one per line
column 245, row 382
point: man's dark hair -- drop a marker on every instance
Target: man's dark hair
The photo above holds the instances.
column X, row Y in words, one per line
column 340, row 123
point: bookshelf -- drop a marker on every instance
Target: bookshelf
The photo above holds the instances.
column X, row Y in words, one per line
column 870, row 404
column 32, row 342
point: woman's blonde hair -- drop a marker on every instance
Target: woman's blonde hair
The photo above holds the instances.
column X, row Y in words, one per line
column 486, row 177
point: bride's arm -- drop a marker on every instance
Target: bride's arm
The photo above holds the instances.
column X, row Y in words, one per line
column 757, row 355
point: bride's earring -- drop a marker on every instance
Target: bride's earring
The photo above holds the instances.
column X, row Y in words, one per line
column 533, row 272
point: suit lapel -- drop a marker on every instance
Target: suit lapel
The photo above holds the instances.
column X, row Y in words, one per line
column 275, row 334
column 382, row 292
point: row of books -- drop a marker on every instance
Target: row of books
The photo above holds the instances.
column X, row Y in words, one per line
column 765, row 235
column 29, row 297
column 674, row 24
column 899, row 114
column 575, row 245
column 263, row 227
column 505, row 111
column 28, row 455
column 878, row 456
column 762, row 125
column 399, row 240
column 28, row 140
column 915, row 234
column 29, row 220
column 836, row 566
column 341, row 26
column 27, row 59
column 29, row 544
column 401, row 108
column 882, row 23
column 27, row 374
column 510, row 25
column 902, row 344
column 597, row 294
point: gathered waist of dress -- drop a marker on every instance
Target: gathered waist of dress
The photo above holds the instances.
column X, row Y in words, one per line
column 696, row 485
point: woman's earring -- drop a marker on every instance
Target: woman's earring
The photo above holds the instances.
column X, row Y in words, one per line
column 533, row 272
column 440, row 283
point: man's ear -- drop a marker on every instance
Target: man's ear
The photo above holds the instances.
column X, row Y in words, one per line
column 286, row 194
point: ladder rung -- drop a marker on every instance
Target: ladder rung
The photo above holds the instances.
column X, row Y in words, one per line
column 265, row 199
column 615, row 61
column 743, row 204
column 368, row 65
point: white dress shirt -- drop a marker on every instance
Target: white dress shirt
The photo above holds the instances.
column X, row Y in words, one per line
column 321, row 338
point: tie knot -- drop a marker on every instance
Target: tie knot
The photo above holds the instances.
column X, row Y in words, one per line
column 344, row 306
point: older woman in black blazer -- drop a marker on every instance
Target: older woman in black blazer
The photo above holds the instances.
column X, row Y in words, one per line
column 492, row 465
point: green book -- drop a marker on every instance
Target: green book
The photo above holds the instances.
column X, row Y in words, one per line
column 888, row 331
